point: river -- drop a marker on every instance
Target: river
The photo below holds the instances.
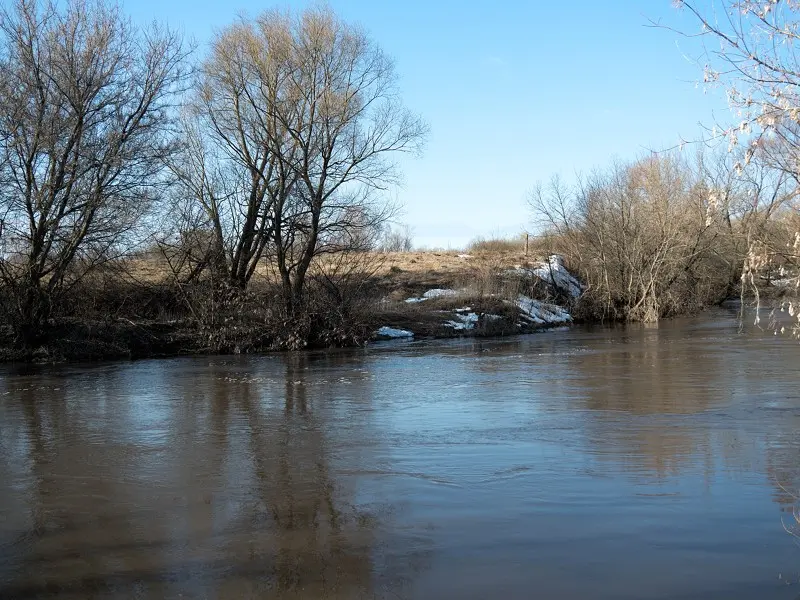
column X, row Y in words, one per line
column 586, row 463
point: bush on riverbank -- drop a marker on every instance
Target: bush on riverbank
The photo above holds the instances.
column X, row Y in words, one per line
column 113, row 316
column 656, row 237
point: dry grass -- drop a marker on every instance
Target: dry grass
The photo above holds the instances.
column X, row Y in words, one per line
column 498, row 244
column 445, row 269
column 479, row 275
column 401, row 271
column 400, row 275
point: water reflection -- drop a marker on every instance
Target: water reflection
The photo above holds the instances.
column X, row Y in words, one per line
column 589, row 463
column 214, row 486
column 644, row 390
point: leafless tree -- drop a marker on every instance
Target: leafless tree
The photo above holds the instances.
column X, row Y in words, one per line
column 85, row 106
column 346, row 119
column 396, row 239
column 640, row 234
column 750, row 50
column 754, row 204
column 229, row 177
column 298, row 123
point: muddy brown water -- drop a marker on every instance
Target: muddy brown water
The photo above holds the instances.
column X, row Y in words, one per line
column 584, row 463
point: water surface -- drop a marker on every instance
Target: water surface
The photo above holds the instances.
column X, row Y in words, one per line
column 587, row 463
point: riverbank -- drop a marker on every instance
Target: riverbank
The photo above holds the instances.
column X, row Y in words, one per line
column 114, row 340
column 414, row 295
column 421, row 295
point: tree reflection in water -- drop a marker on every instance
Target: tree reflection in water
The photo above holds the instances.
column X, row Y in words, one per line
column 217, row 486
column 623, row 454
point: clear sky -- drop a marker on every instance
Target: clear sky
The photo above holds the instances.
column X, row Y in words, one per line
column 514, row 91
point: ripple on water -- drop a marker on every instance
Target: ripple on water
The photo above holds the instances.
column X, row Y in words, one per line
column 586, row 463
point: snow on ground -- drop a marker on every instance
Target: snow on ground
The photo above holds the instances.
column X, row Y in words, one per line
column 439, row 293
column 786, row 282
column 553, row 272
column 532, row 310
column 542, row 312
column 392, row 333
column 465, row 321
column 434, row 293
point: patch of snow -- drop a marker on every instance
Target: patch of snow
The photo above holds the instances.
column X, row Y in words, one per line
column 786, row 282
column 542, row 312
column 465, row 309
column 439, row 293
column 464, row 255
column 553, row 272
column 465, row 321
column 392, row 333
column 434, row 293
column 492, row 317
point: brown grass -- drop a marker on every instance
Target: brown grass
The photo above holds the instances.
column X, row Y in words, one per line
column 498, row 244
column 134, row 308
column 399, row 271
column 420, row 271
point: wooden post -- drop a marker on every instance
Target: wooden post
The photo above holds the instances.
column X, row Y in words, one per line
column 526, row 244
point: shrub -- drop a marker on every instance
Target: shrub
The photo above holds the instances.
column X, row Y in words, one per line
column 498, row 244
column 644, row 236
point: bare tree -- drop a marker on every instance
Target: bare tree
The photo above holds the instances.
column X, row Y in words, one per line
column 85, row 106
column 299, row 119
column 752, row 54
column 346, row 120
column 230, row 177
column 752, row 204
column 641, row 236
column 396, row 239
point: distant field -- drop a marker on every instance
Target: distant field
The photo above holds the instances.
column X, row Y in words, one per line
column 421, row 268
column 414, row 271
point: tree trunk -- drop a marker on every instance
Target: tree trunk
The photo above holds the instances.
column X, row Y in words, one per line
column 33, row 313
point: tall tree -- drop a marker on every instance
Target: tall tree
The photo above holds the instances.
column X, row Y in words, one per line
column 302, row 115
column 345, row 122
column 752, row 54
column 85, row 106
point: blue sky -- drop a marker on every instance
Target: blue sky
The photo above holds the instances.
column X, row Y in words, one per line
column 514, row 92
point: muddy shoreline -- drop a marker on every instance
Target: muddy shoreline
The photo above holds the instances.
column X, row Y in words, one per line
column 127, row 340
